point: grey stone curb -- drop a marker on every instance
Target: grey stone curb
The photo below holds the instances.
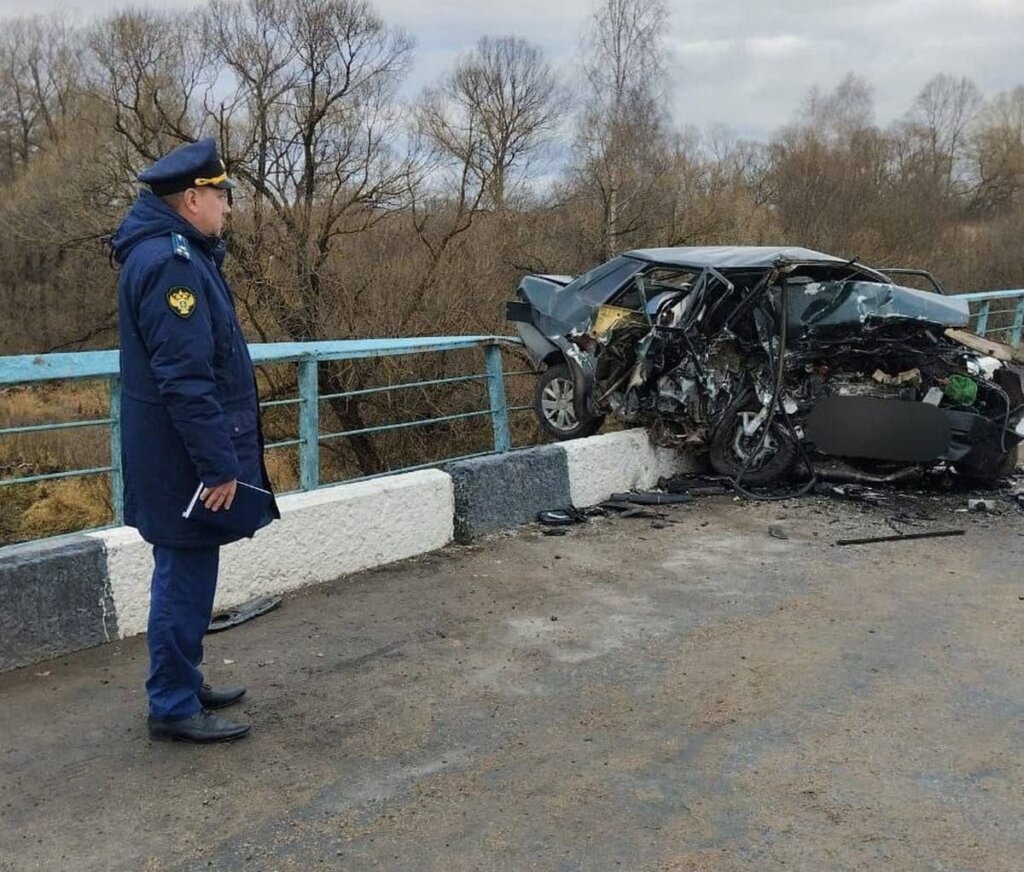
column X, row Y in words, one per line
column 505, row 490
column 54, row 599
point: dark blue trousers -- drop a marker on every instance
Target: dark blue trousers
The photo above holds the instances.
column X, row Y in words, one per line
column 180, row 606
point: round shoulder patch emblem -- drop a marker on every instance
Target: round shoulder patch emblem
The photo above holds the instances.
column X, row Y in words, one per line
column 182, row 301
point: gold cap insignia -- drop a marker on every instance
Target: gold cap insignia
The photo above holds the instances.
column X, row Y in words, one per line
column 182, row 301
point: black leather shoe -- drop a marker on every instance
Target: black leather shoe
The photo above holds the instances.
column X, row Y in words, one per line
column 201, row 728
column 210, row 698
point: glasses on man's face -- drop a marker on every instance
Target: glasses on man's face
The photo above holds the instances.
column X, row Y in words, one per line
column 223, row 196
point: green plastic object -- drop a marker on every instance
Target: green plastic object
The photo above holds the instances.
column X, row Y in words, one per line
column 961, row 390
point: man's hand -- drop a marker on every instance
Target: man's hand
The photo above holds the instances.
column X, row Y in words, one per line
column 222, row 495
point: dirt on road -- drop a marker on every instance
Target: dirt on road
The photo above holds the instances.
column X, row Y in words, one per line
column 727, row 691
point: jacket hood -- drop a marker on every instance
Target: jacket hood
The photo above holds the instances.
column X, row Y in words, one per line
column 150, row 217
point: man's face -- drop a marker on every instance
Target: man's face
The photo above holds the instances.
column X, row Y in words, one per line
column 206, row 208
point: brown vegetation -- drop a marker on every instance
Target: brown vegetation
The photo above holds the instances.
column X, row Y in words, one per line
column 360, row 216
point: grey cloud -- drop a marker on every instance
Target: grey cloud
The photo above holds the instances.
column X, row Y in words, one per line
column 743, row 63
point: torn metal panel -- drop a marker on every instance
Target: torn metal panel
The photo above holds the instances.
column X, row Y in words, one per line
column 609, row 318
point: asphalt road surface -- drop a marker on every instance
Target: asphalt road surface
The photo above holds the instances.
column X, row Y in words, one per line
column 701, row 694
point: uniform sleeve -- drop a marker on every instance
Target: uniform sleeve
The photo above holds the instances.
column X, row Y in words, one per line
column 175, row 325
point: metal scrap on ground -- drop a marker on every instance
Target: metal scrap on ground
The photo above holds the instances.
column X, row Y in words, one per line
column 229, row 618
column 870, row 540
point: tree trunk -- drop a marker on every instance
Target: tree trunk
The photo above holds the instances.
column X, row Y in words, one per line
column 611, row 225
column 351, row 418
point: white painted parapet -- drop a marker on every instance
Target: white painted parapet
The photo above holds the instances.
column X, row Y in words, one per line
column 322, row 535
column 618, row 462
column 338, row 530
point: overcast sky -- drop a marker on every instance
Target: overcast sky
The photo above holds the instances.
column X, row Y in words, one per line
column 743, row 63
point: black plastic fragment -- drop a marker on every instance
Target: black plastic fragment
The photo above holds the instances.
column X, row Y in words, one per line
column 710, row 491
column 641, row 513
column 651, row 498
column 934, row 534
column 615, row 506
column 561, row 517
column 694, row 484
column 240, row 614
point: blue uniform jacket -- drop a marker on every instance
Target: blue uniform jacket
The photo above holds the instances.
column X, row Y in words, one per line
column 189, row 409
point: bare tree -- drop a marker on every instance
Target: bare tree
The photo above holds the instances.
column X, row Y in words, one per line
column 447, row 182
column 156, row 77
column 40, row 83
column 253, row 41
column 839, row 115
column 997, row 153
column 309, row 131
column 831, row 173
column 936, row 130
column 312, row 121
column 497, row 108
column 621, row 142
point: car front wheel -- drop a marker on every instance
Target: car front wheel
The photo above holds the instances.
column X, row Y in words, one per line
column 760, row 462
column 555, row 406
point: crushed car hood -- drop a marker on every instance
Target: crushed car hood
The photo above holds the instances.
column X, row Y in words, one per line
column 821, row 306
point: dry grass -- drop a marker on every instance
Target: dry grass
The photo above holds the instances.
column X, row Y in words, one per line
column 56, row 450
column 70, row 504
column 49, row 508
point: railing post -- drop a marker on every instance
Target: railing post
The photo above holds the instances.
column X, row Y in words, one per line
column 116, row 473
column 982, row 318
column 496, row 393
column 1018, row 322
column 309, row 423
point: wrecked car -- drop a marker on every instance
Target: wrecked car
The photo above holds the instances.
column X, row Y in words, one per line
column 775, row 362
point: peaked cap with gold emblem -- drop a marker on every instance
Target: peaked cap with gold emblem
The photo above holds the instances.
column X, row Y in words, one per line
column 195, row 165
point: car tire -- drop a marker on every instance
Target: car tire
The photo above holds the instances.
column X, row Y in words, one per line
column 726, row 460
column 554, row 406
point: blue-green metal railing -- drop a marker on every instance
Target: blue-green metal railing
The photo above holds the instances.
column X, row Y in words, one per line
column 989, row 305
column 308, row 356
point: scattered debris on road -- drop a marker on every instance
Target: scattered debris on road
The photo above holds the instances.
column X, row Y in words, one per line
column 871, row 540
column 981, row 505
column 245, row 612
column 560, row 518
column 652, row 498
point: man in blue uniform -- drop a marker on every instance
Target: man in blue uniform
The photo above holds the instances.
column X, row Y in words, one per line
column 189, row 415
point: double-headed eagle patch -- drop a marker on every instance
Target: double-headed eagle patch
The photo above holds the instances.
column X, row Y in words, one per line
column 182, row 301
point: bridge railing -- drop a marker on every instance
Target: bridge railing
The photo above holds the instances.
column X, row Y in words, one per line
column 307, row 357
column 997, row 314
